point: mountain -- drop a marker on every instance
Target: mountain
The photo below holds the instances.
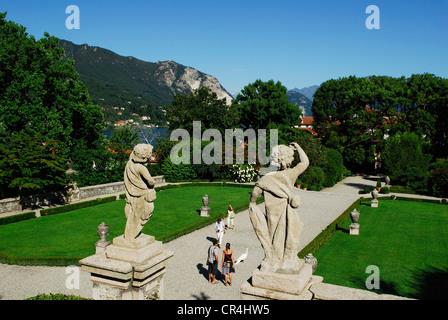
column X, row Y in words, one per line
column 302, row 101
column 123, row 86
column 307, row 92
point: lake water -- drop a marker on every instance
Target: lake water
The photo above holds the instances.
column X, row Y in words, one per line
column 147, row 135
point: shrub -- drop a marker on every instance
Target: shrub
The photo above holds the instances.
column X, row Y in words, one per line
column 177, row 172
column 313, row 178
column 385, row 190
column 405, row 160
column 57, row 296
column 244, row 172
column 333, row 168
column 366, row 190
column 378, row 183
column 438, row 178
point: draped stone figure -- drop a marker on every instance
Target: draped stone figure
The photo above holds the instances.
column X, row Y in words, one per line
column 279, row 228
column 140, row 192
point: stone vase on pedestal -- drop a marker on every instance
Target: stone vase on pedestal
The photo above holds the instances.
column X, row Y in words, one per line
column 374, row 202
column 103, row 232
column 310, row 259
column 354, row 226
column 205, row 210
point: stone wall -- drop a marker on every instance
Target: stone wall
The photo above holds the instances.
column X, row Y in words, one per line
column 15, row 204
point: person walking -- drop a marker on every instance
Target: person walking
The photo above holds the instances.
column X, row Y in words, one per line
column 212, row 262
column 230, row 217
column 220, row 229
column 227, row 264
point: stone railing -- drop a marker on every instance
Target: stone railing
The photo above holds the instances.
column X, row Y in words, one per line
column 16, row 204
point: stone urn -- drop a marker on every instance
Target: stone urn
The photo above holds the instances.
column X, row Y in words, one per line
column 354, row 215
column 310, row 259
column 205, row 200
column 387, row 181
column 374, row 194
column 103, row 231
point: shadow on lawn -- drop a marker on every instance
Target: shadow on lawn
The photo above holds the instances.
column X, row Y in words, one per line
column 384, row 287
column 427, row 284
column 431, row 284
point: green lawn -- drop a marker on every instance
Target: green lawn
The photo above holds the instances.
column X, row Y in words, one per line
column 407, row 241
column 73, row 234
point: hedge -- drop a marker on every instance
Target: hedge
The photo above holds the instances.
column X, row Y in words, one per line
column 17, row 218
column 76, row 206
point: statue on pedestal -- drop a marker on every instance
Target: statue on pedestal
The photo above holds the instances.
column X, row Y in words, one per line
column 279, row 228
column 140, row 192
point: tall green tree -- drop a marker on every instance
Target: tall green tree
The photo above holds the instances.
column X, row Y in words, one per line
column 406, row 162
column 356, row 115
column 30, row 164
column 41, row 94
column 265, row 105
column 200, row 105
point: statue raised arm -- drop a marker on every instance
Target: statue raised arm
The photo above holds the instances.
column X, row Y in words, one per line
column 279, row 227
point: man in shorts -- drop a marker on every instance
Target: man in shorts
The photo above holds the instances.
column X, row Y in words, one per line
column 213, row 262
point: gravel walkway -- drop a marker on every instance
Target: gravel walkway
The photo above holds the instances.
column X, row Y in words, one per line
column 186, row 276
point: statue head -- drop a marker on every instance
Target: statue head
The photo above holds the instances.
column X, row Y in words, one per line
column 142, row 153
column 282, row 156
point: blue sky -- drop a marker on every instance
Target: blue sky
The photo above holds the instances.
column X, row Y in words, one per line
column 298, row 42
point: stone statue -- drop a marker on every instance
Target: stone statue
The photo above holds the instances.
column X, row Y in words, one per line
column 140, row 192
column 279, row 228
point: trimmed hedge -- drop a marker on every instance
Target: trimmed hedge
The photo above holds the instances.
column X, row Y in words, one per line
column 38, row 261
column 76, row 206
column 17, row 218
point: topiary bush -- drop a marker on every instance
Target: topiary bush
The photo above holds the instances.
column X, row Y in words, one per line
column 333, row 168
column 313, row 178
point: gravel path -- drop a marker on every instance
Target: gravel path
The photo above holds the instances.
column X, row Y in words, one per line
column 186, row 276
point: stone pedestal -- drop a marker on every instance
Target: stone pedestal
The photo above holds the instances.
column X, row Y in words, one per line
column 280, row 286
column 205, row 211
column 128, row 270
column 374, row 203
column 354, row 228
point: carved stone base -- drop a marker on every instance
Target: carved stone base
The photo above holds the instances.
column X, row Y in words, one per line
column 374, row 203
column 354, row 228
column 279, row 286
column 205, row 211
column 128, row 271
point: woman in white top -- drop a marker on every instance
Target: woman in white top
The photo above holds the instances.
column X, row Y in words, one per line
column 230, row 217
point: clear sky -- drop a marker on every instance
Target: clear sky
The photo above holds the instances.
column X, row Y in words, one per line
column 297, row 42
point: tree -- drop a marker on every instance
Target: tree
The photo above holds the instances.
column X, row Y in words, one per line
column 356, row 115
column 265, row 105
column 200, row 105
column 30, row 164
column 41, row 95
column 405, row 161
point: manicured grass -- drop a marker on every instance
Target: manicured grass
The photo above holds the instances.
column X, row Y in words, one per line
column 73, row 234
column 407, row 241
